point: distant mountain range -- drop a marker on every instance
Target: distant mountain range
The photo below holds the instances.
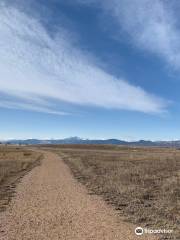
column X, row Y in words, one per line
column 77, row 140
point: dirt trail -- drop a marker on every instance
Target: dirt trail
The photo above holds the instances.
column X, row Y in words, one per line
column 51, row 205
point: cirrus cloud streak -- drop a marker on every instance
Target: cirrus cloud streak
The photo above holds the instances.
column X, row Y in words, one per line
column 35, row 67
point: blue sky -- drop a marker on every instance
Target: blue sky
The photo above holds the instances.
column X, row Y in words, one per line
column 94, row 69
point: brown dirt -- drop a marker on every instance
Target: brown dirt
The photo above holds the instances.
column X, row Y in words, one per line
column 14, row 164
column 50, row 204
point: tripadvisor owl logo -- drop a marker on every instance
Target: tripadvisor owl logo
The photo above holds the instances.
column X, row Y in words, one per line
column 139, row 231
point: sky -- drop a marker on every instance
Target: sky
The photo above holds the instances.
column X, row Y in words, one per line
column 90, row 68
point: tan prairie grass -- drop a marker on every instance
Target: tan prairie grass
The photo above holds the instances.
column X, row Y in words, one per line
column 142, row 183
column 14, row 163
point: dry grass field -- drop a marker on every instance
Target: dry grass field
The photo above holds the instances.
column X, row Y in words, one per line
column 141, row 183
column 14, row 163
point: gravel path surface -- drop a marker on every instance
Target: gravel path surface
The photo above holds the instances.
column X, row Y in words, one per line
column 50, row 204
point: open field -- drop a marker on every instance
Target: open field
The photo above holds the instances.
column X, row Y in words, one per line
column 49, row 204
column 14, row 163
column 141, row 183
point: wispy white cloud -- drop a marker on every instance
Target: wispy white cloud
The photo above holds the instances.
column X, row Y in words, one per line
column 29, row 107
column 36, row 67
column 151, row 25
